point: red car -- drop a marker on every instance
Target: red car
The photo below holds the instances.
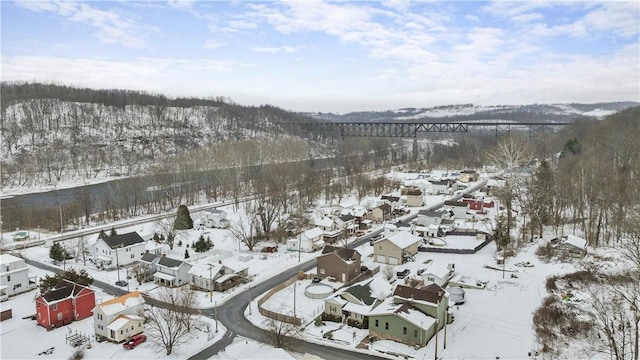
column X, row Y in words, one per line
column 270, row 249
column 134, row 341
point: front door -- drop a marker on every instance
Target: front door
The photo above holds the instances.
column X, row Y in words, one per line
column 344, row 277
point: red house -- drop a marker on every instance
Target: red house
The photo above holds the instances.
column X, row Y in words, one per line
column 65, row 303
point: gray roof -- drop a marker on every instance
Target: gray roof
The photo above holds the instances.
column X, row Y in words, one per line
column 430, row 213
column 149, row 257
column 123, row 240
column 346, row 218
column 169, row 262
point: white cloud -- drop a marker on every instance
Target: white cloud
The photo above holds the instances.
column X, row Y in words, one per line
column 268, row 50
column 212, row 44
column 111, row 27
column 277, row 49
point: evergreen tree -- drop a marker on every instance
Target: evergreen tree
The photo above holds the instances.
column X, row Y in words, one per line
column 186, row 254
column 57, row 253
column 79, row 277
column 113, row 232
column 102, row 235
column 183, row 219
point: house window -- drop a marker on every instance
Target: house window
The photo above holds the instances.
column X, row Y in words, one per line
column 132, row 256
column 59, row 316
column 8, row 277
column 415, row 333
column 380, row 247
column 386, row 326
column 404, row 330
column 376, row 322
column 55, row 307
column 322, row 271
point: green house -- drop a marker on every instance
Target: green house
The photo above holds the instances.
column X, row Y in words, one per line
column 411, row 316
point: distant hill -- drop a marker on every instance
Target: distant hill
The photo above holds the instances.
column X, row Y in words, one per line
column 470, row 112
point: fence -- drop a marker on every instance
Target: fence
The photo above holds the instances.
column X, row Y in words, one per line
column 274, row 315
column 459, row 251
column 363, row 276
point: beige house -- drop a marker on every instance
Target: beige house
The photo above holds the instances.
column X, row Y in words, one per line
column 381, row 213
column 414, row 197
column 120, row 318
column 396, row 249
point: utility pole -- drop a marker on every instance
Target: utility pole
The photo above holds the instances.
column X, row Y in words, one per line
column 210, row 284
column 446, row 320
column 215, row 314
column 118, row 262
column 127, row 279
column 435, row 354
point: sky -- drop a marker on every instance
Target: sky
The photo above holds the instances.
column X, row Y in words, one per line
column 332, row 56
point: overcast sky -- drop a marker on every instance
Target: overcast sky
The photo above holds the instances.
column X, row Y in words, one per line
column 332, row 56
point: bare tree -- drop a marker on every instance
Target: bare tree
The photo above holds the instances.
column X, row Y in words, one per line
column 170, row 325
column 279, row 333
column 387, row 271
column 242, row 231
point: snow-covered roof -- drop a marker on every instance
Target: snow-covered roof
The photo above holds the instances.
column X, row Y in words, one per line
column 313, row 233
column 205, row 270
column 224, row 278
column 8, row 259
column 356, row 308
column 163, row 276
column 576, row 241
column 415, row 317
column 324, row 221
column 121, row 303
column 403, row 239
column 387, row 307
column 121, row 321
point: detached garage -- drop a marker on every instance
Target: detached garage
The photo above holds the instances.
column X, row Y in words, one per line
column 396, row 248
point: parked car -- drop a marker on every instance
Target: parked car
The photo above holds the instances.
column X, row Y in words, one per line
column 364, row 268
column 270, row 249
column 134, row 341
column 402, row 274
column 360, row 233
column 121, row 283
column 315, row 280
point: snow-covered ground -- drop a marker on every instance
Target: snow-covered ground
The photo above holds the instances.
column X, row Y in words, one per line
column 495, row 321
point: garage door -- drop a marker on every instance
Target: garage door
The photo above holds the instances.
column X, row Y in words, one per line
column 393, row 260
column 380, row 258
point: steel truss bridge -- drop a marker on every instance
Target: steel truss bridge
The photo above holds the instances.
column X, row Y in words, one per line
column 412, row 129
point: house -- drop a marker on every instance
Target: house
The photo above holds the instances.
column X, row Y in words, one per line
column 14, row 276
column 474, row 204
column 572, row 246
column 215, row 218
column 411, row 316
column 340, row 263
column 429, row 217
column 118, row 250
column 148, row 264
column 210, row 276
column 308, row 241
column 353, row 304
column 347, row 223
column 65, row 303
column 459, row 209
column 441, row 187
column 439, row 274
column 414, row 197
column 467, row 176
column 396, row 249
column 390, row 199
column 325, row 223
column 171, row 272
column 381, row 213
column 120, row 318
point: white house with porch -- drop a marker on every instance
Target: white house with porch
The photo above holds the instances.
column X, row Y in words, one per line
column 118, row 250
column 308, row 241
column 171, row 272
column 120, row 318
